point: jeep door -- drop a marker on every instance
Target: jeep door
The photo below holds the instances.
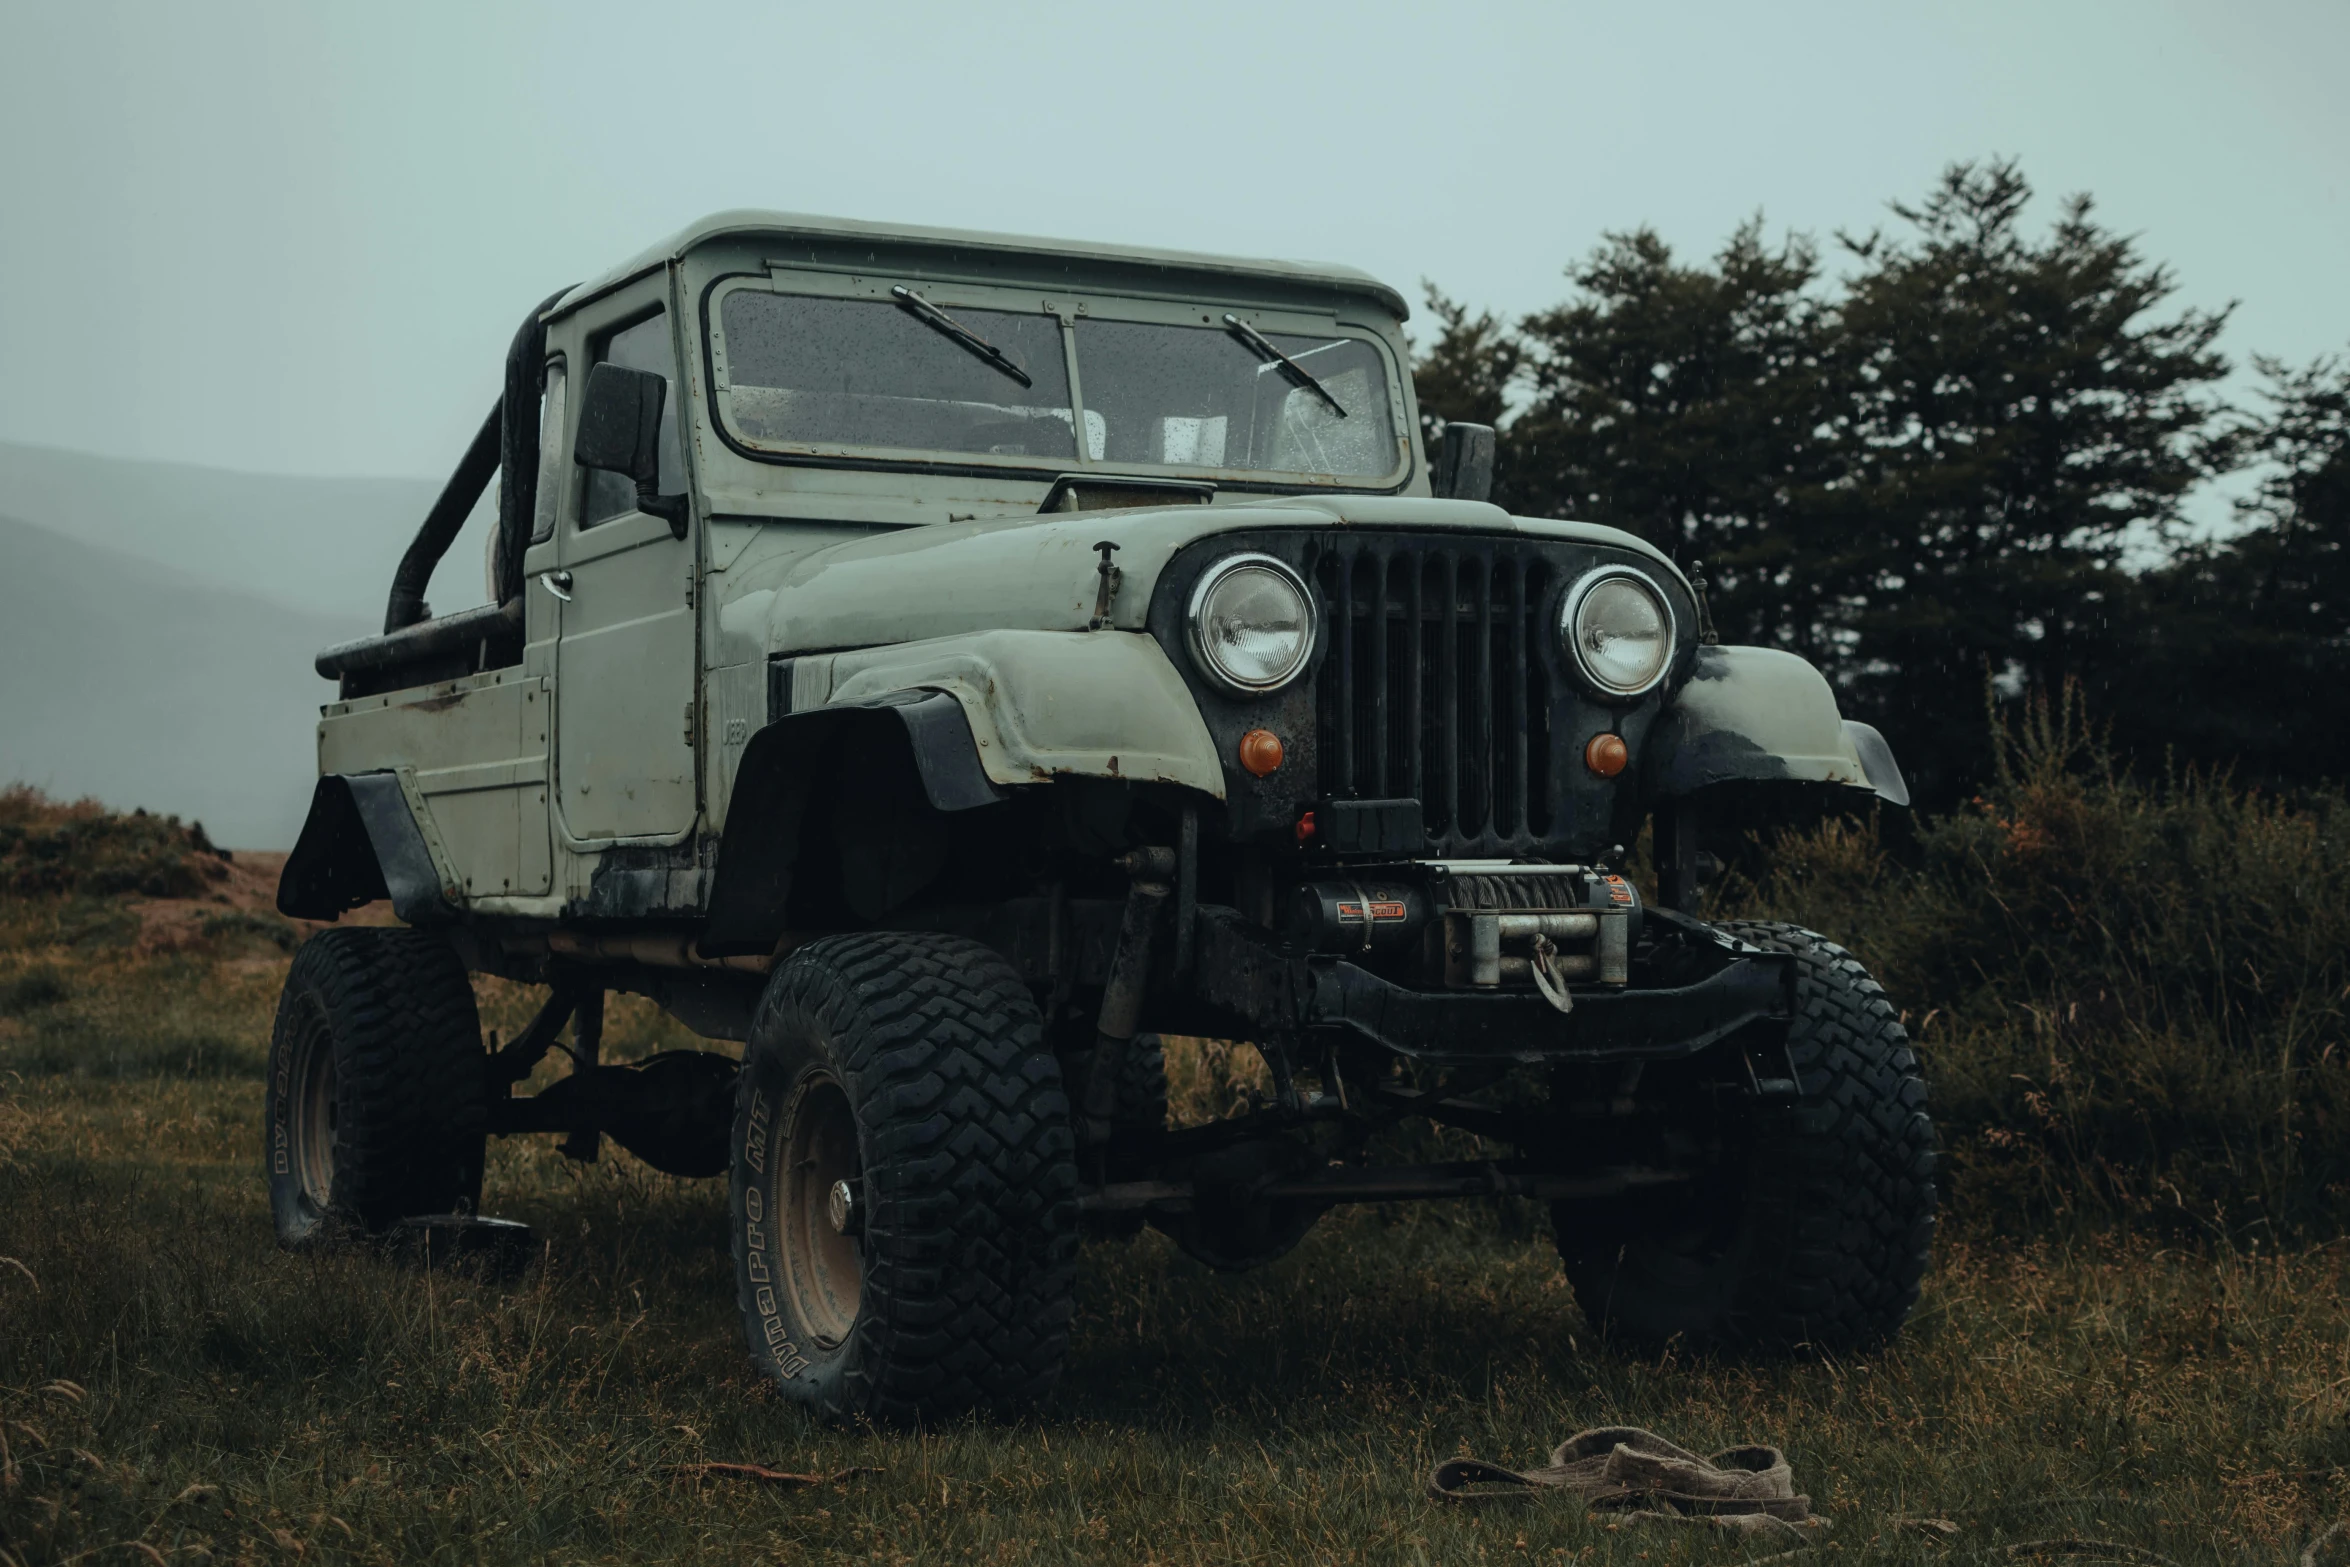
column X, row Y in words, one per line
column 627, row 651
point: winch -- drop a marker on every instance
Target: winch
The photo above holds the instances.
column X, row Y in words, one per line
column 1477, row 924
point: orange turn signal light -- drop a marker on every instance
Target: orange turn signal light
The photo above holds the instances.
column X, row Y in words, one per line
column 1260, row 752
column 1606, row 755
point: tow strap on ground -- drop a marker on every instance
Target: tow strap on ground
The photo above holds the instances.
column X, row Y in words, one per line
column 1639, row 1475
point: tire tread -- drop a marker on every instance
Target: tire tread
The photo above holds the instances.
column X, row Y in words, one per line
column 1840, row 1199
column 970, row 1179
column 400, row 1007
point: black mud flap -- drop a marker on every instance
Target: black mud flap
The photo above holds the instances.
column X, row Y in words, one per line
column 358, row 844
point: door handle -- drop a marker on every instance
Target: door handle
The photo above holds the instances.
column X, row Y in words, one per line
column 557, row 583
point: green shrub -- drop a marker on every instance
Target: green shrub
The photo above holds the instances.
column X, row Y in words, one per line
column 52, row 849
column 2131, row 996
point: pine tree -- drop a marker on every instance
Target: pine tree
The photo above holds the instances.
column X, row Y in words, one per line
column 2016, row 416
column 2239, row 651
column 1686, row 404
column 1921, row 476
column 1469, row 373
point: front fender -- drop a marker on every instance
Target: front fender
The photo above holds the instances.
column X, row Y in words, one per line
column 1753, row 715
column 974, row 715
column 782, row 767
column 1045, row 704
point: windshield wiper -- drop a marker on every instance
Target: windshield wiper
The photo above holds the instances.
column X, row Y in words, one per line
column 1298, row 374
column 939, row 321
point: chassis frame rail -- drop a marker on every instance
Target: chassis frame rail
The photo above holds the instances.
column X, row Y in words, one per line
column 1394, row 1183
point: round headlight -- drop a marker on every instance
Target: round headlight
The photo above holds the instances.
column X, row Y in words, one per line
column 1621, row 631
column 1252, row 624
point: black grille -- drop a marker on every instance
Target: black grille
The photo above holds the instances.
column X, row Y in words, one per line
column 1433, row 686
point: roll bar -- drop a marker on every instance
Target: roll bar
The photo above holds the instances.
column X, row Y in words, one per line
column 507, row 444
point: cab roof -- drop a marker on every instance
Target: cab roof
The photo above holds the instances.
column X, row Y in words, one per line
column 790, row 225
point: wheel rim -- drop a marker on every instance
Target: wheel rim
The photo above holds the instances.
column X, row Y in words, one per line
column 317, row 1109
column 823, row 1266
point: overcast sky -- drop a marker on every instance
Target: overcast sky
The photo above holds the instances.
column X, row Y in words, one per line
column 296, row 238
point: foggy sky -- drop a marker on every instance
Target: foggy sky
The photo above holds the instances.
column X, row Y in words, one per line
column 296, row 238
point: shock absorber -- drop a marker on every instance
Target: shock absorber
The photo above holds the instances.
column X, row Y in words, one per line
column 1122, row 996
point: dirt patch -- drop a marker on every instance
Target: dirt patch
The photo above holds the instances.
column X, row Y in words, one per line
column 239, row 901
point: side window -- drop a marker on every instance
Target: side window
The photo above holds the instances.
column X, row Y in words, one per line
column 643, row 346
column 554, row 457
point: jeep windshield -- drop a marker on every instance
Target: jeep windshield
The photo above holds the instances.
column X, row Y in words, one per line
column 879, row 376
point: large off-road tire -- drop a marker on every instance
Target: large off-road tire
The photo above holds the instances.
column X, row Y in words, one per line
column 1815, row 1232
column 376, row 1105
column 912, row 1067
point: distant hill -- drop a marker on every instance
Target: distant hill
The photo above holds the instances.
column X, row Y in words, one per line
column 149, row 687
column 157, row 623
column 320, row 546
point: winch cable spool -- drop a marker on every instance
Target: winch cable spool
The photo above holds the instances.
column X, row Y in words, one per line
column 1541, row 926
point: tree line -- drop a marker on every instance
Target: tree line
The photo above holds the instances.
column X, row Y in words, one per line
column 1951, row 469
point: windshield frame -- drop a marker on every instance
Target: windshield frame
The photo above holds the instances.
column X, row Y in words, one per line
column 1067, row 307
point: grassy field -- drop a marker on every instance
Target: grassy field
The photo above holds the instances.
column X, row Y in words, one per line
column 174, row 1388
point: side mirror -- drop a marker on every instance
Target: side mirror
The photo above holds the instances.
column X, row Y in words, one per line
column 1464, row 463
column 620, row 432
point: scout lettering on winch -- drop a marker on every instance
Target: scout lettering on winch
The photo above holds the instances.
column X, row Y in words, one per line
column 946, row 662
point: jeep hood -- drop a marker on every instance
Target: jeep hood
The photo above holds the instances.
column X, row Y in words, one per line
column 1041, row 573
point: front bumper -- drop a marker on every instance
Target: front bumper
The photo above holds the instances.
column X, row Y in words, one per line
column 1239, row 973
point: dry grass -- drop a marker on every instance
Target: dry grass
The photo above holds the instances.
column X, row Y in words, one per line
column 228, row 1398
column 173, row 1387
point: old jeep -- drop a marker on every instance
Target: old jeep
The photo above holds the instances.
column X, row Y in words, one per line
column 950, row 663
